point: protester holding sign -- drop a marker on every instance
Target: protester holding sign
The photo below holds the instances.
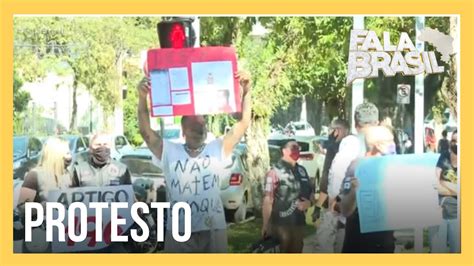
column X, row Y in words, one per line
column 193, row 171
column 379, row 142
column 288, row 195
column 51, row 174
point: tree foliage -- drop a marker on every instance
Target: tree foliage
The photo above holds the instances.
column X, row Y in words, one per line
column 89, row 48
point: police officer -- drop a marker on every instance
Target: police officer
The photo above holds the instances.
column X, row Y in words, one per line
column 287, row 196
column 100, row 170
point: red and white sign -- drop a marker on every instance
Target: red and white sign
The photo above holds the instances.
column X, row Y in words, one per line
column 193, row 81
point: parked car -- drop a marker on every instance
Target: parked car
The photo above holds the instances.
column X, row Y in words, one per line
column 311, row 156
column 174, row 133
column 26, row 154
column 17, row 184
column 448, row 121
column 300, row 128
column 236, row 187
column 147, row 178
column 79, row 147
column 121, row 146
column 148, row 184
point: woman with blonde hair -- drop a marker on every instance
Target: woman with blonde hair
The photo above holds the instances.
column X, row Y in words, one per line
column 52, row 173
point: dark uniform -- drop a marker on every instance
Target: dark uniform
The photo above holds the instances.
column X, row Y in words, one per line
column 113, row 173
column 86, row 174
column 288, row 184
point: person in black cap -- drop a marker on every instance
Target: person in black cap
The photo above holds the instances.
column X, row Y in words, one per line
column 287, row 196
column 329, row 230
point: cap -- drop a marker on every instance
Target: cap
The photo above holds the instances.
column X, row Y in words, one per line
column 366, row 113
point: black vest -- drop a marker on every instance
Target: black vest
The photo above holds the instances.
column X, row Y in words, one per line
column 293, row 184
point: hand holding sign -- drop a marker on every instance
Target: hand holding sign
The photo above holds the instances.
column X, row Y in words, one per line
column 144, row 87
column 244, row 80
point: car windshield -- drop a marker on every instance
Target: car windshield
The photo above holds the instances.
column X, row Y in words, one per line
column 141, row 166
column 299, row 127
column 172, row 134
column 304, row 146
column 19, row 146
column 71, row 140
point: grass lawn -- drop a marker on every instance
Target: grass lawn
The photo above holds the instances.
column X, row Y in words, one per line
column 242, row 236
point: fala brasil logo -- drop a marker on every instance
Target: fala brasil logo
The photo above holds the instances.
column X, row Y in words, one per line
column 367, row 55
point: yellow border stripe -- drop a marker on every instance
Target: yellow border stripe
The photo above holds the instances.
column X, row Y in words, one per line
column 350, row 7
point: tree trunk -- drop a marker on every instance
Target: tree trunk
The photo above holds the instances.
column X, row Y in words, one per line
column 257, row 160
column 117, row 122
column 72, row 125
column 314, row 113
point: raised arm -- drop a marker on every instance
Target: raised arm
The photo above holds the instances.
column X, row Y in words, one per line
column 237, row 132
column 153, row 140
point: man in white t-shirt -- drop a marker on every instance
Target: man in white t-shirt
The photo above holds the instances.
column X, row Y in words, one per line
column 366, row 115
column 193, row 171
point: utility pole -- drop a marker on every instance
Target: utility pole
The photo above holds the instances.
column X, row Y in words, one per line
column 419, row 117
column 358, row 84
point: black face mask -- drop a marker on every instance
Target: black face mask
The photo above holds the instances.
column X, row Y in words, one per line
column 100, row 156
column 454, row 148
column 332, row 138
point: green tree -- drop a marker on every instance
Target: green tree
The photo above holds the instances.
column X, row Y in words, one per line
column 20, row 103
column 382, row 90
column 20, row 97
column 131, row 128
column 301, row 56
column 93, row 50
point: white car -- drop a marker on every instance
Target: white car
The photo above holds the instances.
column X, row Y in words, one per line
column 236, row 187
column 301, row 128
column 448, row 121
column 311, row 156
column 174, row 134
column 121, row 146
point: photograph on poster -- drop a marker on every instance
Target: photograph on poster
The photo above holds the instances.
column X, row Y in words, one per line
column 213, row 87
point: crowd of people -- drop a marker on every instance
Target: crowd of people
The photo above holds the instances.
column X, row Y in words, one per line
column 287, row 191
column 335, row 209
